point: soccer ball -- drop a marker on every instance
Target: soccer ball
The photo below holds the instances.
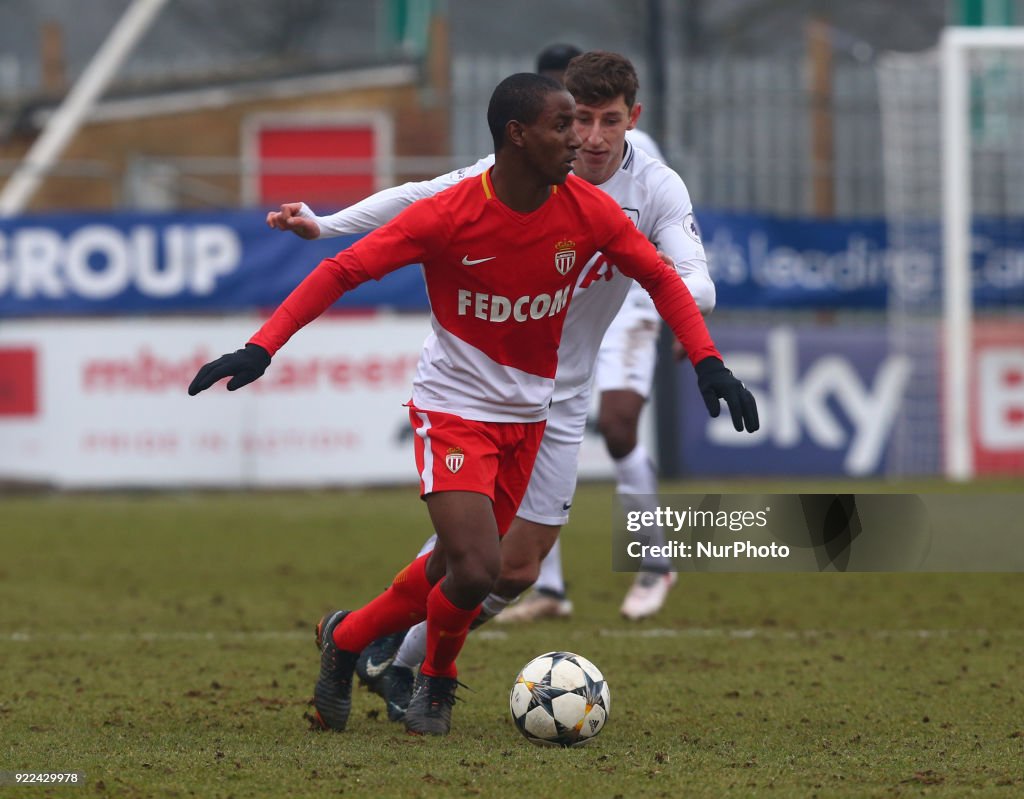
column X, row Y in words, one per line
column 560, row 699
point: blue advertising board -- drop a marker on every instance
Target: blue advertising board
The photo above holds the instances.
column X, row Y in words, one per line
column 830, row 399
column 230, row 261
column 761, row 261
column 124, row 263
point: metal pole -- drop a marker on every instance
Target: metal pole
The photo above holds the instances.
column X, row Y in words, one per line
column 958, row 309
column 654, row 113
column 666, row 408
column 956, row 228
column 76, row 106
column 818, row 35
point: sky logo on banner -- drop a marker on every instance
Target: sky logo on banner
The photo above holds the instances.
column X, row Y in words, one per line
column 828, row 400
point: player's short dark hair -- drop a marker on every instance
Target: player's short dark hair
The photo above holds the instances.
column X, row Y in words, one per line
column 519, row 97
column 556, row 57
column 596, row 77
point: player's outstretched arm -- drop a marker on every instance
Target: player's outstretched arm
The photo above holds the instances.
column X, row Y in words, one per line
column 314, row 295
column 403, row 241
column 242, row 366
column 372, row 212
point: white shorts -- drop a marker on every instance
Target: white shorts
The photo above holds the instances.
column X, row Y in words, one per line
column 553, row 481
column 629, row 350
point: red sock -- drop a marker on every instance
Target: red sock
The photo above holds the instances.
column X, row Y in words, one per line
column 400, row 607
column 447, row 628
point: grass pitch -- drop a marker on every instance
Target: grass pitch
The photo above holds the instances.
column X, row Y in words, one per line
column 162, row 645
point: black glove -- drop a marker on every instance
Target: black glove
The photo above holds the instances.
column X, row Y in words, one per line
column 242, row 366
column 716, row 382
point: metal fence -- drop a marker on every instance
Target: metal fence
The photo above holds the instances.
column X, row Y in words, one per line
column 738, row 130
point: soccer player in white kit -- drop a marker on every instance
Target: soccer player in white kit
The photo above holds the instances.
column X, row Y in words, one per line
column 623, row 379
column 657, row 201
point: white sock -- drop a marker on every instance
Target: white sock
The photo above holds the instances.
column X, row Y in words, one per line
column 637, row 484
column 635, row 474
column 551, row 578
column 490, row 608
column 413, row 648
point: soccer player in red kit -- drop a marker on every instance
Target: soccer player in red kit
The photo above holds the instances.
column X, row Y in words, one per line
column 501, row 253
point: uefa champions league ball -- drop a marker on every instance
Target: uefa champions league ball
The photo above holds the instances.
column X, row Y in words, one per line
column 560, row 699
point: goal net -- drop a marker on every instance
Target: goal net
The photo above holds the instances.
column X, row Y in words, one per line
column 953, row 153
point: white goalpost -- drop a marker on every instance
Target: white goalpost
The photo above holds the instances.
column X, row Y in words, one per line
column 953, row 132
column 75, row 107
column 955, row 47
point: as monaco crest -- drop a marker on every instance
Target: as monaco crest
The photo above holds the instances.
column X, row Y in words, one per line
column 454, row 459
column 565, row 256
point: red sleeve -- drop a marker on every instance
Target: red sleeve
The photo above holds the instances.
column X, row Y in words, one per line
column 404, row 240
column 636, row 257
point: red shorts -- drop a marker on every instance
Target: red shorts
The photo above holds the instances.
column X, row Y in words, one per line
column 491, row 458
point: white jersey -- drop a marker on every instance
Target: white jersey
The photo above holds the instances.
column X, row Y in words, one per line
column 652, row 195
column 639, row 307
column 643, row 141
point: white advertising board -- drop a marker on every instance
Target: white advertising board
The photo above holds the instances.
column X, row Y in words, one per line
column 102, row 403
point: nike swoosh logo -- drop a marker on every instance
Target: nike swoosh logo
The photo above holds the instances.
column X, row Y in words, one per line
column 466, row 261
column 374, row 670
column 566, row 506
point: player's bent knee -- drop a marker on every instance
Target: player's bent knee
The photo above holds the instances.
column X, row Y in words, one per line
column 511, row 587
column 475, row 591
column 515, row 578
column 519, row 570
column 473, row 580
column 618, row 420
column 619, row 438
